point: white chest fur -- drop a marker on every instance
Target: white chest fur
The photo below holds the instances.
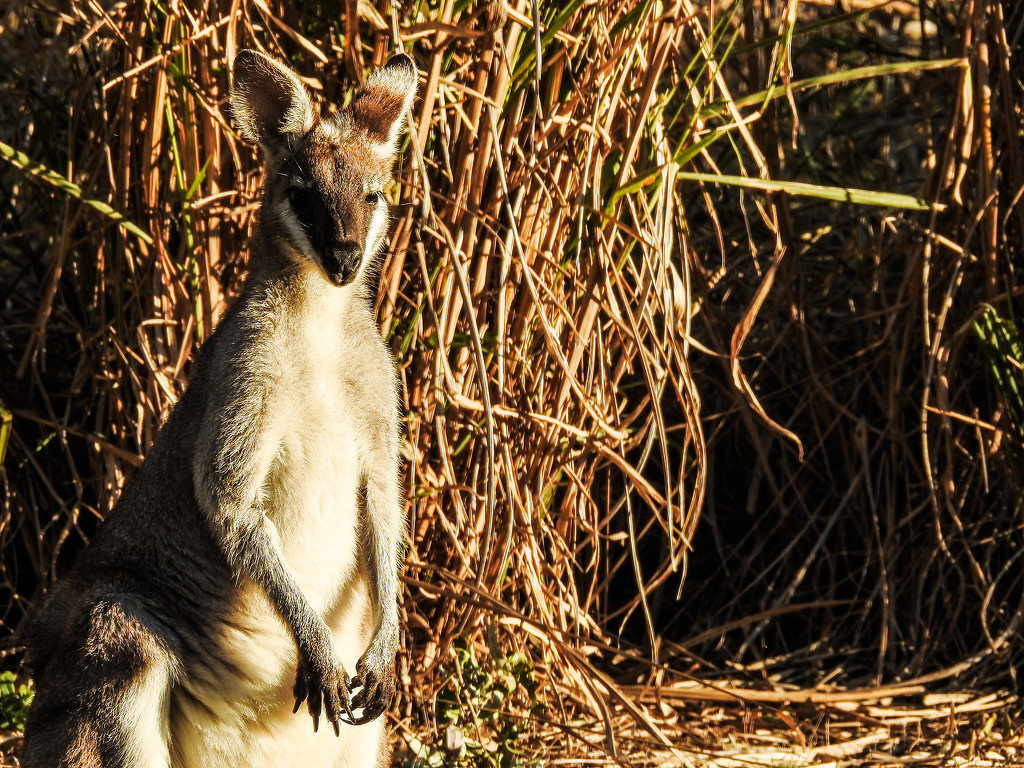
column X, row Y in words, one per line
column 312, row 489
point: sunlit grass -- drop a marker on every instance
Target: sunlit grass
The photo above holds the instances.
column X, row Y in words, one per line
column 688, row 306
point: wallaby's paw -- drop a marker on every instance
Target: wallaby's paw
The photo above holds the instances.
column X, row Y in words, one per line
column 375, row 677
column 322, row 682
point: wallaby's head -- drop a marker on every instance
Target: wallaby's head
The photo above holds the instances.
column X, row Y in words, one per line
column 323, row 200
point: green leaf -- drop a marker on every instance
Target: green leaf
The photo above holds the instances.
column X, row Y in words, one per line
column 40, row 171
column 831, row 78
column 15, row 700
column 836, row 194
column 200, row 177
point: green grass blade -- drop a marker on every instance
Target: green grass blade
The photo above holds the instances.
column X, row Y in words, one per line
column 529, row 58
column 833, row 78
column 40, row 171
column 681, row 157
column 836, row 194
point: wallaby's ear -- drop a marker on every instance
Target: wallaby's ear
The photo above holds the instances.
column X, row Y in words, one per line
column 268, row 100
column 386, row 96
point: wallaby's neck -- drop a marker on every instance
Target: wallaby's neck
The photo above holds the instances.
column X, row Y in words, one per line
column 297, row 287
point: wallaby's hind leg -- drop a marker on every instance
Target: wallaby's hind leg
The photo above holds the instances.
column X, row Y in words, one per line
column 104, row 692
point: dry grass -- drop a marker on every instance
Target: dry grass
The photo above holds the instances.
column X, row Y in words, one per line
column 711, row 466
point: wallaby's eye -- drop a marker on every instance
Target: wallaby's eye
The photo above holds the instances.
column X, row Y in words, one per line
column 374, row 198
column 299, row 197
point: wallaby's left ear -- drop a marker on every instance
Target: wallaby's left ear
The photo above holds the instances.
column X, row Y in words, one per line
column 384, row 100
column 269, row 101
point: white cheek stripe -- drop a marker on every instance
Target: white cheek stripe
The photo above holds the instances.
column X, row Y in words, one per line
column 290, row 221
column 375, row 235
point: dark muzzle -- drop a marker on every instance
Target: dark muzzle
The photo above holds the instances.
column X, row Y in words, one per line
column 341, row 262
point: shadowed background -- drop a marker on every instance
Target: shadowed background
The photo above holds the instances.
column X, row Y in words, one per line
column 707, row 319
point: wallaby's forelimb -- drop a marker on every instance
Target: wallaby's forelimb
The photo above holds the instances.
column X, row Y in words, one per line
column 233, row 459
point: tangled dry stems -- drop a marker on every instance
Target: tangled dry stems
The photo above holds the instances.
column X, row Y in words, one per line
column 675, row 442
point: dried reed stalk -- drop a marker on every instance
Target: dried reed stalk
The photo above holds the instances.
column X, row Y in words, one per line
column 596, row 355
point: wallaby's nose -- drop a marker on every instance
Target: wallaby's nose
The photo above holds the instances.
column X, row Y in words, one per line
column 341, row 262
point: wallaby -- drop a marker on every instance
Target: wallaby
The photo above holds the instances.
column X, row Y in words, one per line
column 252, row 562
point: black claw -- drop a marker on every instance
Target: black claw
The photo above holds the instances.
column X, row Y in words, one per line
column 329, row 692
column 331, row 706
column 348, row 708
column 315, row 705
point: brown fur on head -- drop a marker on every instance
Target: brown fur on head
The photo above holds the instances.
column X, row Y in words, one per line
column 325, row 176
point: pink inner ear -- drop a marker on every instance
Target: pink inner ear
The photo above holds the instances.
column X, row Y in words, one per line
column 379, row 112
column 380, row 107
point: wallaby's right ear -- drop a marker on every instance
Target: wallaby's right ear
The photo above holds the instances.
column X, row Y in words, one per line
column 385, row 97
column 269, row 101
